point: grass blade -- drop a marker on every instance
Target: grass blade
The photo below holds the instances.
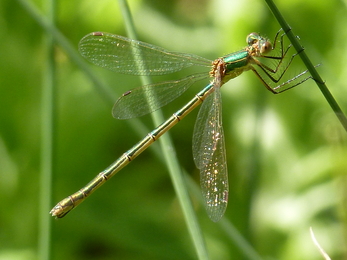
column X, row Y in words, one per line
column 311, row 68
column 171, row 160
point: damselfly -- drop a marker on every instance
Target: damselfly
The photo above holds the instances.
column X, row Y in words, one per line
column 123, row 55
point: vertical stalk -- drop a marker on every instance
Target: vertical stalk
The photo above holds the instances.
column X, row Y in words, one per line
column 176, row 174
column 315, row 75
column 47, row 142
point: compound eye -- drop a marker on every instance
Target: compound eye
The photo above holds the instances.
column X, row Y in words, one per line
column 266, row 47
column 252, row 38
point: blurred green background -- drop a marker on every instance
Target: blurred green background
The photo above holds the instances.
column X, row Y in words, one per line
column 286, row 153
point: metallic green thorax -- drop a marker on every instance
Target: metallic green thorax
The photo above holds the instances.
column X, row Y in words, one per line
column 240, row 61
column 235, row 64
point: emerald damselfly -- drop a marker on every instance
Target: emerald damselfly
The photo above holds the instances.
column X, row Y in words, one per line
column 127, row 56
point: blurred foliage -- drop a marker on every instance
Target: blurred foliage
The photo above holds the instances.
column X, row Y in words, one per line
column 286, row 153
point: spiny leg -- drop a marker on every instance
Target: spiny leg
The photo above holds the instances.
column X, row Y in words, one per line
column 282, row 55
column 280, row 58
column 268, row 71
column 279, row 89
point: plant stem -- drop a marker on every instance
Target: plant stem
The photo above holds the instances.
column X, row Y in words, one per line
column 176, row 174
column 315, row 75
column 47, row 143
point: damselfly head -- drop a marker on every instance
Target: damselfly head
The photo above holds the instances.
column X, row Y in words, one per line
column 258, row 45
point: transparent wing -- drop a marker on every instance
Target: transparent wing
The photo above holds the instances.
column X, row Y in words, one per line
column 209, row 156
column 123, row 55
column 146, row 99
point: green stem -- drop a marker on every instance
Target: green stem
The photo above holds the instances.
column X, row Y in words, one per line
column 176, row 174
column 70, row 50
column 315, row 75
column 47, row 143
column 103, row 89
column 233, row 234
